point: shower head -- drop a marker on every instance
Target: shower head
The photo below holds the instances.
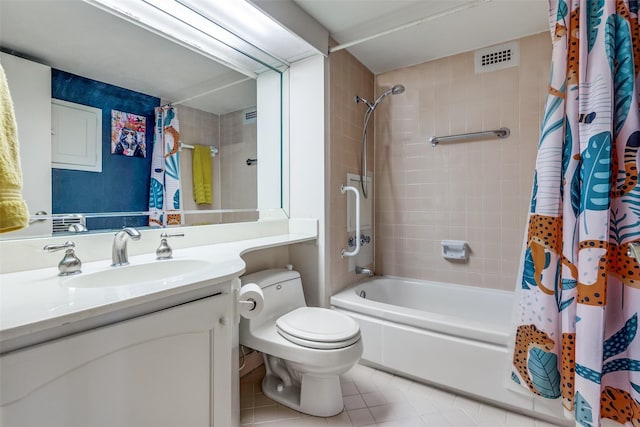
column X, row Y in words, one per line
column 397, row 89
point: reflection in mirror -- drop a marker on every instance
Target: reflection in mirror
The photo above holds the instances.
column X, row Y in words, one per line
column 85, row 84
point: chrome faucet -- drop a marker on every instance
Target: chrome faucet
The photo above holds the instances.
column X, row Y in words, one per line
column 119, row 250
column 360, row 270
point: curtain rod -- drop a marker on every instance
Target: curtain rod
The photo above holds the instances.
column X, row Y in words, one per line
column 208, row 92
column 409, row 24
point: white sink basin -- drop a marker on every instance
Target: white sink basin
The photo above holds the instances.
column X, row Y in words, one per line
column 166, row 271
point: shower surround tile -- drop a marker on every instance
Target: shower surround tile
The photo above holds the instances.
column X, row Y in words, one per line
column 476, row 191
column 347, row 78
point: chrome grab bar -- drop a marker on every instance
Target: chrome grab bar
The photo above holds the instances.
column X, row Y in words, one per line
column 500, row 133
column 356, row 192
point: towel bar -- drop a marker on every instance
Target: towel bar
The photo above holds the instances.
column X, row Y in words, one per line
column 214, row 150
column 500, row 133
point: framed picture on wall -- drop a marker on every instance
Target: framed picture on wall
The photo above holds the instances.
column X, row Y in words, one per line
column 128, row 134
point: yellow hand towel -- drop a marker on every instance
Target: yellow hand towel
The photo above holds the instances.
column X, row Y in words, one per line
column 202, row 175
column 14, row 214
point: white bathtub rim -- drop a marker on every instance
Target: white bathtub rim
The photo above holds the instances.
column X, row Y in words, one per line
column 349, row 300
column 469, row 288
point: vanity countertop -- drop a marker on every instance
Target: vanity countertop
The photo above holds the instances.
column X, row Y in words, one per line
column 38, row 305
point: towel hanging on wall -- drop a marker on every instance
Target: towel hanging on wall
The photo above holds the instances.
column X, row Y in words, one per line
column 202, row 175
column 14, row 214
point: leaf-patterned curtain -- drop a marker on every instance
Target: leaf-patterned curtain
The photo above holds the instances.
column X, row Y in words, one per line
column 577, row 334
column 164, row 191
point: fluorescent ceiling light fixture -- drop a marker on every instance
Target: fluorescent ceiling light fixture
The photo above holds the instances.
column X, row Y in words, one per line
column 184, row 25
column 242, row 18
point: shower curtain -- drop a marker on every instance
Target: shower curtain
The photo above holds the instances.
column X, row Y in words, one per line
column 164, row 192
column 577, row 334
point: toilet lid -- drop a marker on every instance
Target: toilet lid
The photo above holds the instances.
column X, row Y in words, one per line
column 319, row 328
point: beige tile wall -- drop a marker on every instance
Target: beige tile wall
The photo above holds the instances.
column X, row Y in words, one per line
column 473, row 191
column 202, row 128
column 234, row 183
column 239, row 181
column 347, row 78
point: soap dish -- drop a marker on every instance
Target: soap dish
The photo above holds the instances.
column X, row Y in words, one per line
column 455, row 249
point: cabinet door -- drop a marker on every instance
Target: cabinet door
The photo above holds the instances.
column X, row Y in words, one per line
column 76, row 136
column 169, row 368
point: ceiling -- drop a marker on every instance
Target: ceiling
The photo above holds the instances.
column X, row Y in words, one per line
column 449, row 26
column 76, row 37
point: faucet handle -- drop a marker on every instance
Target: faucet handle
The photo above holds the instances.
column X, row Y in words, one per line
column 164, row 251
column 70, row 263
column 55, row 248
column 165, row 235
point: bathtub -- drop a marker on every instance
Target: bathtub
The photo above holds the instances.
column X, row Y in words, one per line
column 448, row 335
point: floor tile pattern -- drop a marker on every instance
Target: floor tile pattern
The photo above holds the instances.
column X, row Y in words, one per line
column 377, row 398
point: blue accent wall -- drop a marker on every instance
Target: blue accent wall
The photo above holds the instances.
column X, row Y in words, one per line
column 123, row 184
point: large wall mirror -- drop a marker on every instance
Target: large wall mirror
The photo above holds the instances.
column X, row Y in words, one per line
column 74, row 54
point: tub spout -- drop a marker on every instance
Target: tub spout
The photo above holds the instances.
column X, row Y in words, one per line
column 360, row 270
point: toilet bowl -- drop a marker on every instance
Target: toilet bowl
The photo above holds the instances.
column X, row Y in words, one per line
column 305, row 349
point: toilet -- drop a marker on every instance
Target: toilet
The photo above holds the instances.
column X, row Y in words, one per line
column 305, row 349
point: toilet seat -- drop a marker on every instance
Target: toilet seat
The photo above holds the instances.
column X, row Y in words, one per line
column 318, row 328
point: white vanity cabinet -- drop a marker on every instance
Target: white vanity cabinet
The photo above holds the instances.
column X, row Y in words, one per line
column 172, row 367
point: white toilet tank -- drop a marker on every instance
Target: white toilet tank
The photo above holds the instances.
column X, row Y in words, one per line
column 282, row 289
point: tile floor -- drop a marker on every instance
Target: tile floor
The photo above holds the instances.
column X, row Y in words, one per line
column 377, row 398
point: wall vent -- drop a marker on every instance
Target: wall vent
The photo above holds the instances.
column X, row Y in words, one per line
column 61, row 225
column 497, row 57
column 250, row 116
